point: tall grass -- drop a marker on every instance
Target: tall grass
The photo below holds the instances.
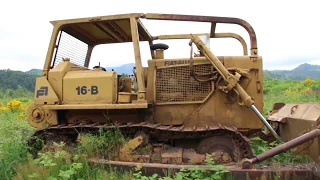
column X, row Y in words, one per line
column 17, row 163
column 14, row 133
column 259, row 146
column 290, row 91
column 60, row 164
column 105, row 144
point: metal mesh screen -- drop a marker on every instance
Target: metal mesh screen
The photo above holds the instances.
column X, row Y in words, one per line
column 174, row 84
column 70, row 47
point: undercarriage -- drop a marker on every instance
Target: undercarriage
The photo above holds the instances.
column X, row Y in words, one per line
column 169, row 149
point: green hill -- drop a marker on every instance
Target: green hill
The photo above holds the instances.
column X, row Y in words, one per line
column 10, row 79
column 298, row 73
column 34, row 72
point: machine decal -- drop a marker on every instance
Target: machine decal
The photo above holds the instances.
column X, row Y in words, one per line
column 83, row 90
column 171, row 63
column 43, row 91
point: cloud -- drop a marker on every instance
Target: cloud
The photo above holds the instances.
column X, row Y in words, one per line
column 20, row 61
column 289, row 62
column 315, row 62
column 285, row 30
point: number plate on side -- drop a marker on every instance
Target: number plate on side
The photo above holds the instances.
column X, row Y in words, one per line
column 83, row 87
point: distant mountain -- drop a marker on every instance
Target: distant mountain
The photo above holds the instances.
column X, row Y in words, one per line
column 298, row 73
column 125, row 68
column 34, row 71
column 307, row 67
column 10, row 79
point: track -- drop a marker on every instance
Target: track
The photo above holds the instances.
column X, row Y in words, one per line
column 157, row 131
column 162, row 131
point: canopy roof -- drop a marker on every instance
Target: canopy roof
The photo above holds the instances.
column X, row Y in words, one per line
column 102, row 30
column 117, row 28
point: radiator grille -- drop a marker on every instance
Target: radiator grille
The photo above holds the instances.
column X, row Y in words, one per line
column 70, row 47
column 174, row 84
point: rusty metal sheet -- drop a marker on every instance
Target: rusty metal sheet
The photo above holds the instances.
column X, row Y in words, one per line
column 296, row 119
column 306, row 111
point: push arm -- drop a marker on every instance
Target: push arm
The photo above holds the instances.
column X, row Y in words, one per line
column 231, row 80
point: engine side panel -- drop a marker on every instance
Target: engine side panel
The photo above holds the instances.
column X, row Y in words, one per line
column 179, row 99
column 89, row 87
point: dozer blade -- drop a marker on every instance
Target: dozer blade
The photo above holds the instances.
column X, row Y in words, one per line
column 294, row 120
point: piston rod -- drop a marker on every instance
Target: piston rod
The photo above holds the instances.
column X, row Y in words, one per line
column 265, row 122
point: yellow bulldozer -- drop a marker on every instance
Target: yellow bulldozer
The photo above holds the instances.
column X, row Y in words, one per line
column 183, row 108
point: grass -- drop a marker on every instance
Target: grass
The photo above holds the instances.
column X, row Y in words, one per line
column 259, row 146
column 290, row 91
column 61, row 164
column 15, row 163
column 14, row 134
column 104, row 145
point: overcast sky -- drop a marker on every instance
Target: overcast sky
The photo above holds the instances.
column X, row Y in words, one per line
column 287, row 31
